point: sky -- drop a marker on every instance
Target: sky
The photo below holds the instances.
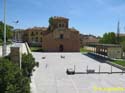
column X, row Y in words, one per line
column 87, row 16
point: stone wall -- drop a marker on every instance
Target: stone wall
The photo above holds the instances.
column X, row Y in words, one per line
column 70, row 41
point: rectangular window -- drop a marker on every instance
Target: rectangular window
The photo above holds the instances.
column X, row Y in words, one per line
column 32, row 34
column 36, row 39
column 41, row 33
column 36, row 33
column 41, row 40
column 61, row 36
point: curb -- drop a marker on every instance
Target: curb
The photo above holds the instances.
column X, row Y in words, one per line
column 116, row 65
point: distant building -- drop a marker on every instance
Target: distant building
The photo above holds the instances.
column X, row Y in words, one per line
column 34, row 36
column 109, row 50
column 57, row 37
column 88, row 39
column 121, row 35
column 18, row 35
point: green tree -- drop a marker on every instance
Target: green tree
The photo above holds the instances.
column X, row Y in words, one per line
column 28, row 63
column 8, row 29
column 12, row 79
column 50, row 20
column 108, row 38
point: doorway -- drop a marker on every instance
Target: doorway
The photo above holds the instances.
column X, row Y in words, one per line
column 61, row 48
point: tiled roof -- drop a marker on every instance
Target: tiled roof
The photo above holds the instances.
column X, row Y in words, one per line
column 73, row 29
column 37, row 28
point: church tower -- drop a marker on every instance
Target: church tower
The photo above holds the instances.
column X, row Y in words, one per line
column 58, row 23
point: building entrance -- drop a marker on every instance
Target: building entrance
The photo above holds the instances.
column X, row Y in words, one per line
column 61, row 48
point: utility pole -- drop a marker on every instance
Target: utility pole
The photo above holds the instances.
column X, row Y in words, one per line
column 4, row 34
column 16, row 33
column 118, row 32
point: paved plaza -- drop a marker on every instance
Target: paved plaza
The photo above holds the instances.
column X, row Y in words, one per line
column 51, row 75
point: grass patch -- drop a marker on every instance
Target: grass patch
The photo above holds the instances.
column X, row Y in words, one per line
column 122, row 63
column 84, row 50
column 36, row 49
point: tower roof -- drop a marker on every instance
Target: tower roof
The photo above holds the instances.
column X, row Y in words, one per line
column 59, row 17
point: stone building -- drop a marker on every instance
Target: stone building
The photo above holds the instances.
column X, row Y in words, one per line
column 57, row 37
column 33, row 36
column 109, row 50
column 88, row 39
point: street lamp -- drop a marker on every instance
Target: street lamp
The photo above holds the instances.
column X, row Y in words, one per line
column 16, row 34
column 4, row 34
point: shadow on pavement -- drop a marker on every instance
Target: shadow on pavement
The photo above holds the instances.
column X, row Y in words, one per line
column 97, row 57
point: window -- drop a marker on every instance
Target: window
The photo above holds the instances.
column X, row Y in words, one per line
column 32, row 38
column 41, row 39
column 59, row 25
column 62, row 25
column 32, row 33
column 118, row 51
column 41, row 33
column 61, row 36
column 36, row 33
column 36, row 39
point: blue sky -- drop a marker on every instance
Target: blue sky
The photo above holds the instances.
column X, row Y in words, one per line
column 88, row 16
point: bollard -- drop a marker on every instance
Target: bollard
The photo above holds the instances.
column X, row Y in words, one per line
column 74, row 68
column 122, row 72
column 87, row 69
column 99, row 69
column 111, row 69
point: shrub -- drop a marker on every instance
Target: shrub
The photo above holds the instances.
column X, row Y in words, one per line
column 12, row 79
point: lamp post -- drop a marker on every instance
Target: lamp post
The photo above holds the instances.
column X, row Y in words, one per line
column 4, row 34
column 16, row 33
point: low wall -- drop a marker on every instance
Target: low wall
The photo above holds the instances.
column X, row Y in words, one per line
column 17, row 50
column 28, row 49
column 109, row 61
column 116, row 65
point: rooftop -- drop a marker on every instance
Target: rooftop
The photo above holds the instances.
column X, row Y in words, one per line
column 59, row 17
column 37, row 28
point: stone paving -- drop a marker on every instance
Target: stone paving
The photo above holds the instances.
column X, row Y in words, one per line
column 51, row 75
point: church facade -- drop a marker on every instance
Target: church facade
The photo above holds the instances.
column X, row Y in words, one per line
column 59, row 37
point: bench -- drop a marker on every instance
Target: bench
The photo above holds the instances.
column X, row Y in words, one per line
column 90, row 71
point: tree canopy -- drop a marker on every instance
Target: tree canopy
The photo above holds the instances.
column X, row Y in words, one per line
column 8, row 29
column 109, row 38
column 12, row 78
